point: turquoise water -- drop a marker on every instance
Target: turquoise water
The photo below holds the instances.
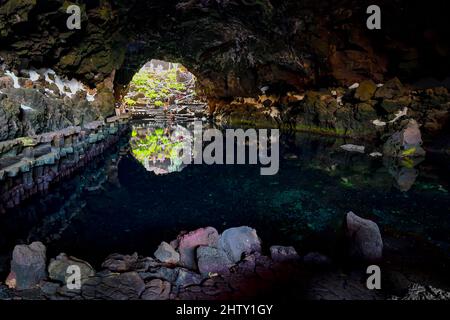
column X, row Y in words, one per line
column 118, row 205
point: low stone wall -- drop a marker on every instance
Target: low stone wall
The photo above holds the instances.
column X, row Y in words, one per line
column 29, row 165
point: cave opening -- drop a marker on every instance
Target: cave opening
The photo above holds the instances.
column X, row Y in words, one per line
column 160, row 87
column 93, row 137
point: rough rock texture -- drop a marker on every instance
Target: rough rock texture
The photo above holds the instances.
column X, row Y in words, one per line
column 258, row 62
column 165, row 253
column 237, row 241
column 190, row 241
column 29, row 165
column 234, row 47
column 405, row 143
column 365, row 238
column 57, row 269
column 120, row 263
column 255, row 276
column 212, row 260
column 417, row 291
column 283, row 254
column 114, row 286
column 37, row 106
column 156, row 290
column 28, row 266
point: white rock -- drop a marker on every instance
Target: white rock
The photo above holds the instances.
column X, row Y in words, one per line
column 14, row 78
column 34, row 76
column 353, row 148
column 399, row 114
column 26, row 108
column 376, row 154
column 90, row 97
column 379, row 123
column 264, row 89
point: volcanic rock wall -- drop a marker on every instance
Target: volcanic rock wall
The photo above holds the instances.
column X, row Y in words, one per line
column 236, row 48
column 29, row 166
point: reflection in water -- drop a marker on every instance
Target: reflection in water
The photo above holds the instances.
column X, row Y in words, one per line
column 160, row 150
column 116, row 205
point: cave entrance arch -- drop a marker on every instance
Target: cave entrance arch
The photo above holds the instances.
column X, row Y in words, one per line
column 160, row 87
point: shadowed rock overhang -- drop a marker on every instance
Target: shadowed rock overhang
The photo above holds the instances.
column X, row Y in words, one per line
column 234, row 47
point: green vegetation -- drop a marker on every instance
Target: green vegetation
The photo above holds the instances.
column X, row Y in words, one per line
column 156, row 86
column 156, row 146
column 130, row 102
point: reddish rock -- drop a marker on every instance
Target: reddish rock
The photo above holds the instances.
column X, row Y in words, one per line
column 189, row 243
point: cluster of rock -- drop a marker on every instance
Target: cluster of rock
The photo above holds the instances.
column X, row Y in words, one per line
column 365, row 110
column 201, row 264
column 29, row 165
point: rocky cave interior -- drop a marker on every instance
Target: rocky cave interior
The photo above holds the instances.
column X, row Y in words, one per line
column 282, row 64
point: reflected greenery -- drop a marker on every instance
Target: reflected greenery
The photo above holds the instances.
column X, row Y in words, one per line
column 160, row 149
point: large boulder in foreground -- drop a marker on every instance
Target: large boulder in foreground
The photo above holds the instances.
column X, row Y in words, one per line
column 28, row 266
column 365, row 238
column 191, row 241
column 213, row 260
column 237, row 241
column 57, row 269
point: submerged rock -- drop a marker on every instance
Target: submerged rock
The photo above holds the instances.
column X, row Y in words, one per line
column 27, row 266
column 283, row 254
column 191, row 241
column 237, row 241
column 405, row 178
column 405, row 143
column 165, row 253
column 353, row 148
column 365, row 238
